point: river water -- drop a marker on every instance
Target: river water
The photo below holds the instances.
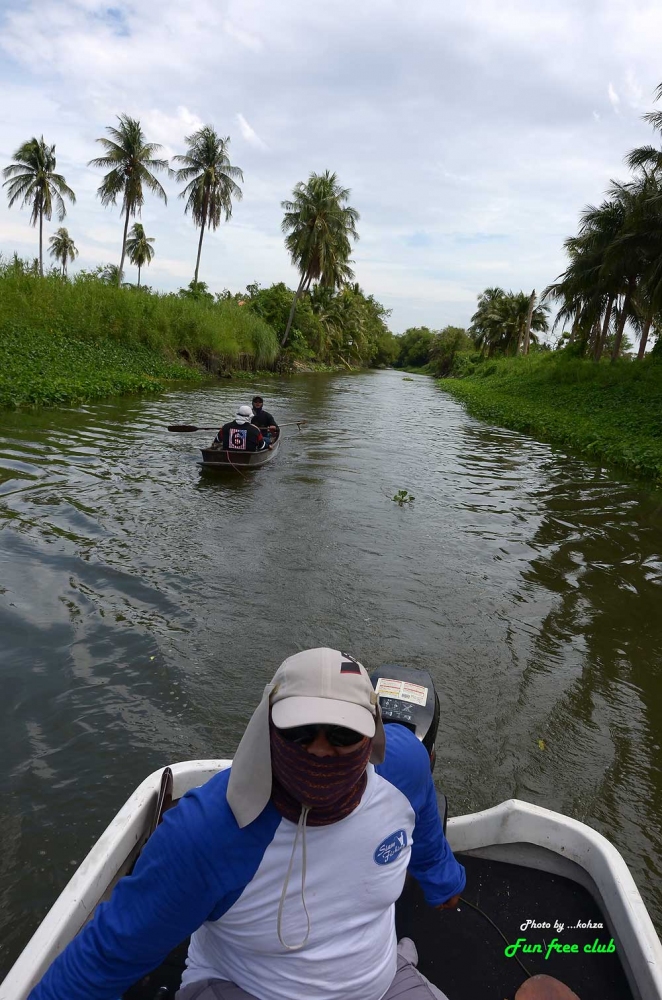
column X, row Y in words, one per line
column 144, row 605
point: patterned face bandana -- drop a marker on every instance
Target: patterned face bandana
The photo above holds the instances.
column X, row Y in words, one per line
column 331, row 787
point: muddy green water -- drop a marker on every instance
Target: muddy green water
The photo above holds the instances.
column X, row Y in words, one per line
column 143, row 606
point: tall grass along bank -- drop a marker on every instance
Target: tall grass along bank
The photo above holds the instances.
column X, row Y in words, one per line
column 611, row 413
column 64, row 341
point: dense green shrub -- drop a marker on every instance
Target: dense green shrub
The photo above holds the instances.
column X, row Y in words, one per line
column 89, row 309
column 446, row 346
column 74, row 340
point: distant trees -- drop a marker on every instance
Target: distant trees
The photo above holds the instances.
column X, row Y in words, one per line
column 32, row 180
column 319, row 226
column 415, row 345
column 62, row 249
column 211, row 181
column 446, row 346
column 435, row 350
column 139, row 247
column 507, row 322
column 131, row 160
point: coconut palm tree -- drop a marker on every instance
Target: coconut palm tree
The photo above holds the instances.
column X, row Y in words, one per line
column 131, row 160
column 63, row 248
column 210, row 181
column 138, row 247
column 586, row 298
column 505, row 321
column 32, row 179
column 319, row 225
column 648, row 157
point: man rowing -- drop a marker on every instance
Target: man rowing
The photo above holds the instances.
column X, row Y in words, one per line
column 263, row 419
column 285, row 868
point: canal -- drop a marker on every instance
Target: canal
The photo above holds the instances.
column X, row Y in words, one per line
column 144, row 605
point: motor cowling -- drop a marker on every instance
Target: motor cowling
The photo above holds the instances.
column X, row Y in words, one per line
column 407, row 695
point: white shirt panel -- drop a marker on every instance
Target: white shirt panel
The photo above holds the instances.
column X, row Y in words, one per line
column 355, row 872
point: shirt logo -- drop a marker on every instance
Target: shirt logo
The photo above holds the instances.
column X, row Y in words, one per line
column 390, row 847
column 237, row 439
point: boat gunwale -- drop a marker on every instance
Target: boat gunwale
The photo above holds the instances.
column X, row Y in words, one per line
column 632, row 925
column 253, row 459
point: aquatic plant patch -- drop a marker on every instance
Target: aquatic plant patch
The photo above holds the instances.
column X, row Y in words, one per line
column 610, row 413
column 38, row 369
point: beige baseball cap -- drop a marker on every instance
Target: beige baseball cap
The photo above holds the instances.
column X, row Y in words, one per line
column 325, row 686
column 320, row 685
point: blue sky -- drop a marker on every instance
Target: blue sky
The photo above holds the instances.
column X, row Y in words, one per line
column 470, row 135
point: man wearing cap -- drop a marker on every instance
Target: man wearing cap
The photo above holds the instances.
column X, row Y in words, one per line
column 240, row 434
column 284, row 869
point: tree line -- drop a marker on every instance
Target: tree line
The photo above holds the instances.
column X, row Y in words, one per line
column 319, row 225
column 614, row 276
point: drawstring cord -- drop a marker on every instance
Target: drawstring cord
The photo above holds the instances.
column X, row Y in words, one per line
column 301, row 826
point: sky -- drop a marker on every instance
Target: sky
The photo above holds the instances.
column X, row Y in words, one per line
column 470, row 135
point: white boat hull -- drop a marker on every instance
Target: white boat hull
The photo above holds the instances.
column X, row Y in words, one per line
column 514, row 831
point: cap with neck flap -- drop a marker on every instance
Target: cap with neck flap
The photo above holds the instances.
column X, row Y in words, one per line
column 314, row 686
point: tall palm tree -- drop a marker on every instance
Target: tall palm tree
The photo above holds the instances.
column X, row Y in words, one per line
column 319, row 225
column 210, row 181
column 138, row 247
column 63, row 248
column 504, row 321
column 32, row 178
column 131, row 160
column 648, row 157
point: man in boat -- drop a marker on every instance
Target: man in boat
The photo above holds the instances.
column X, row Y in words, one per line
column 285, row 868
column 263, row 419
column 241, row 434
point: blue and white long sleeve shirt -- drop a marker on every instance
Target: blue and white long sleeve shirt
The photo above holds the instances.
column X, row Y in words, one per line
column 201, row 875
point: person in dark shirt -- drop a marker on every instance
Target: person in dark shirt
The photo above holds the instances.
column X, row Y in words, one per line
column 240, row 434
column 263, row 419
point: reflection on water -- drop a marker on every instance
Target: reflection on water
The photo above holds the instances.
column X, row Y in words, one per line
column 143, row 606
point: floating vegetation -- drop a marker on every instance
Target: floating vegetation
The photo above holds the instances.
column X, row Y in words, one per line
column 402, row 497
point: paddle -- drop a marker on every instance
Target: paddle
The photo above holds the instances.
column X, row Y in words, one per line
column 189, row 428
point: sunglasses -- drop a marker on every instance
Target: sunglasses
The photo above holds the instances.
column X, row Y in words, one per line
column 338, row 736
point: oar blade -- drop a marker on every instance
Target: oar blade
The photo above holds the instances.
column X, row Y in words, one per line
column 183, row 428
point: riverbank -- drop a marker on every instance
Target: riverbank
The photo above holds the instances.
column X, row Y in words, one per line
column 68, row 342
column 38, row 369
column 610, row 413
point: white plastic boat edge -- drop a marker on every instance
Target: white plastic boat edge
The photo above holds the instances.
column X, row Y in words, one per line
column 514, row 822
column 511, row 822
column 79, row 897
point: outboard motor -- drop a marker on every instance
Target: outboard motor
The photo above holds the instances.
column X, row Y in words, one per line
column 407, row 696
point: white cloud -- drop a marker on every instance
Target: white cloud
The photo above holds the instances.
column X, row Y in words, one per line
column 170, row 129
column 459, row 123
column 244, row 38
column 634, row 91
column 249, row 134
column 614, row 99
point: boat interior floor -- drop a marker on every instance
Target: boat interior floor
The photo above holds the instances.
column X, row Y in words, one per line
column 463, row 954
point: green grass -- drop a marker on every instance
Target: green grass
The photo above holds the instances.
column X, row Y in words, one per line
column 62, row 342
column 611, row 413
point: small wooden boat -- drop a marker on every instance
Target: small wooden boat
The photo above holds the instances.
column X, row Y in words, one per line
column 528, row 870
column 216, row 457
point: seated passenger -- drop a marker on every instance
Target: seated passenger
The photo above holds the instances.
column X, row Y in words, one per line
column 240, row 434
column 263, row 419
column 285, row 868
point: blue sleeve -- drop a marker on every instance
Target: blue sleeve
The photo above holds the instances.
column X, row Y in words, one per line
column 407, row 766
column 193, row 868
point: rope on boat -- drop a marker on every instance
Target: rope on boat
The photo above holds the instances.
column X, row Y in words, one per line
column 521, row 964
